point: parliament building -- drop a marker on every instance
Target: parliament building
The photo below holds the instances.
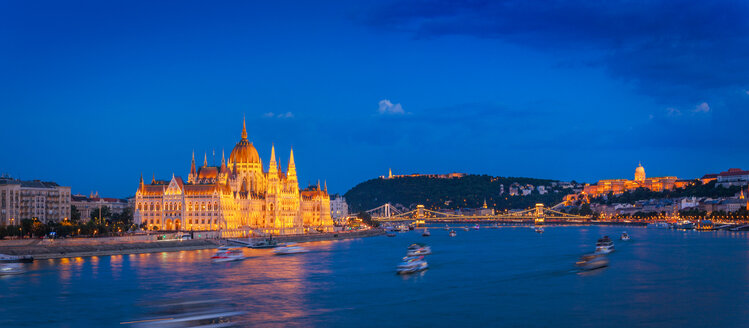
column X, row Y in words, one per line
column 239, row 198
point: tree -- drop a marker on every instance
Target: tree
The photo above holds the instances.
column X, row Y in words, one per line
column 367, row 219
column 585, row 209
column 105, row 213
column 75, row 214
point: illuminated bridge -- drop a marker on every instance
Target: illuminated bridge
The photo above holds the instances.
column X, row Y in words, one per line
column 538, row 215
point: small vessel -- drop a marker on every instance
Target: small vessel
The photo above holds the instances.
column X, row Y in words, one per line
column 266, row 243
column 402, row 228
column 625, row 236
column 466, row 229
column 447, row 227
column 539, row 229
column 412, row 264
column 453, row 233
column 688, row 225
column 290, row 249
column 426, row 233
column 418, row 250
column 476, row 227
column 604, row 245
column 592, row 262
column 7, row 269
column 191, row 313
column 659, row 225
column 16, row 258
column 226, row 254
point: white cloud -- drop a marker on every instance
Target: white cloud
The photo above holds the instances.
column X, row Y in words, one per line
column 673, row 111
column 387, row 107
column 702, row 108
column 279, row 115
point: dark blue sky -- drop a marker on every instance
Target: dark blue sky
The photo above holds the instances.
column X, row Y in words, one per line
column 92, row 93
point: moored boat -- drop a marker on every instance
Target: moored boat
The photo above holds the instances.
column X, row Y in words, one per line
column 16, row 258
column 226, row 254
column 476, row 227
column 539, row 229
column 266, row 243
column 688, row 225
column 624, row 236
column 659, row 225
column 426, row 233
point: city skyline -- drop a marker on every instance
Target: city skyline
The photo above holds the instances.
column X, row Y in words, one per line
column 94, row 94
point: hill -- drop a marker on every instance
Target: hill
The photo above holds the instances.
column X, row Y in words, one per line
column 468, row 191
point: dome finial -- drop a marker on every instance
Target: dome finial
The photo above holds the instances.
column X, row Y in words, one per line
column 244, row 128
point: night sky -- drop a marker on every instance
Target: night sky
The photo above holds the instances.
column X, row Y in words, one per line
column 94, row 93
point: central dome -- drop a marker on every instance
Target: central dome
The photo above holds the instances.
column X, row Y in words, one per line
column 244, row 152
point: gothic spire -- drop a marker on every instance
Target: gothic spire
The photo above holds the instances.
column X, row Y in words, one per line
column 192, row 167
column 291, row 169
column 273, row 168
column 244, row 129
column 223, row 159
column 153, row 180
column 205, row 159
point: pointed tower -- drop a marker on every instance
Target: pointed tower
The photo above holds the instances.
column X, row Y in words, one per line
column 153, row 180
column 193, row 172
column 272, row 166
column 291, row 169
column 223, row 159
column 142, row 185
column 326, row 186
column 244, row 129
column 205, row 159
column 741, row 196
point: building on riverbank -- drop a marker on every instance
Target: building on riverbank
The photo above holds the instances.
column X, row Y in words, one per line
column 618, row 186
column 86, row 204
column 43, row 200
column 240, row 195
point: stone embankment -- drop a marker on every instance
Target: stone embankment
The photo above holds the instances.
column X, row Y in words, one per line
column 41, row 250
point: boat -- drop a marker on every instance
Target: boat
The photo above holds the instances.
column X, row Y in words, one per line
column 447, row 227
column 426, row 233
column 604, row 245
column 625, row 236
column 7, row 269
column 290, row 249
column 659, row 225
column 592, row 262
column 476, row 227
column 16, row 258
column 412, row 264
column 539, row 229
column 466, row 229
column 403, row 228
column 418, row 249
column 226, row 254
column 266, row 243
column 453, row 233
column 688, row 225
column 191, row 313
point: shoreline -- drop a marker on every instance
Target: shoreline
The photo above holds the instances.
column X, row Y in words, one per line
column 45, row 252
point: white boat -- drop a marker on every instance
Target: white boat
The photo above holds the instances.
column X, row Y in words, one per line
column 16, row 258
column 191, row 313
column 7, row 269
column 426, row 233
column 412, row 264
column 539, row 229
column 418, row 250
column 592, row 262
column 625, row 236
column 604, row 245
column 447, row 227
column 453, row 233
column 226, row 254
column 659, row 225
column 290, row 249
column 476, row 227
column 403, row 228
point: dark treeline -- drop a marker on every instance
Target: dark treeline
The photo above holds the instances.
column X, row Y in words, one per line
column 469, row 191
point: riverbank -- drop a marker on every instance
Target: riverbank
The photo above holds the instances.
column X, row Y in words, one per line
column 93, row 247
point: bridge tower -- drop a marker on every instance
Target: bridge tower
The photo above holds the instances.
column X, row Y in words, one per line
column 539, row 214
column 420, row 211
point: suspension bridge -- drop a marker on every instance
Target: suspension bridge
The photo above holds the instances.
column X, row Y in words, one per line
column 539, row 214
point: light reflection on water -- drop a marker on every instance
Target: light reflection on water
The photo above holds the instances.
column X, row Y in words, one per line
column 510, row 276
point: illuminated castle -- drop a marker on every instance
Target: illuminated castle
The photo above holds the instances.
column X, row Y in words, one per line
column 238, row 197
column 618, row 186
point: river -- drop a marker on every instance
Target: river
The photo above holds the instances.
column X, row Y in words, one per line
column 510, row 277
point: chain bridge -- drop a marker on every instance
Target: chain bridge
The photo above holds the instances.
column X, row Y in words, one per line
column 539, row 214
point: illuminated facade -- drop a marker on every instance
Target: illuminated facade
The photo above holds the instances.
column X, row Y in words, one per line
column 239, row 198
column 618, row 186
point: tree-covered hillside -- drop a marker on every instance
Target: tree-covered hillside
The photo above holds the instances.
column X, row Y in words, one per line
column 469, row 191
